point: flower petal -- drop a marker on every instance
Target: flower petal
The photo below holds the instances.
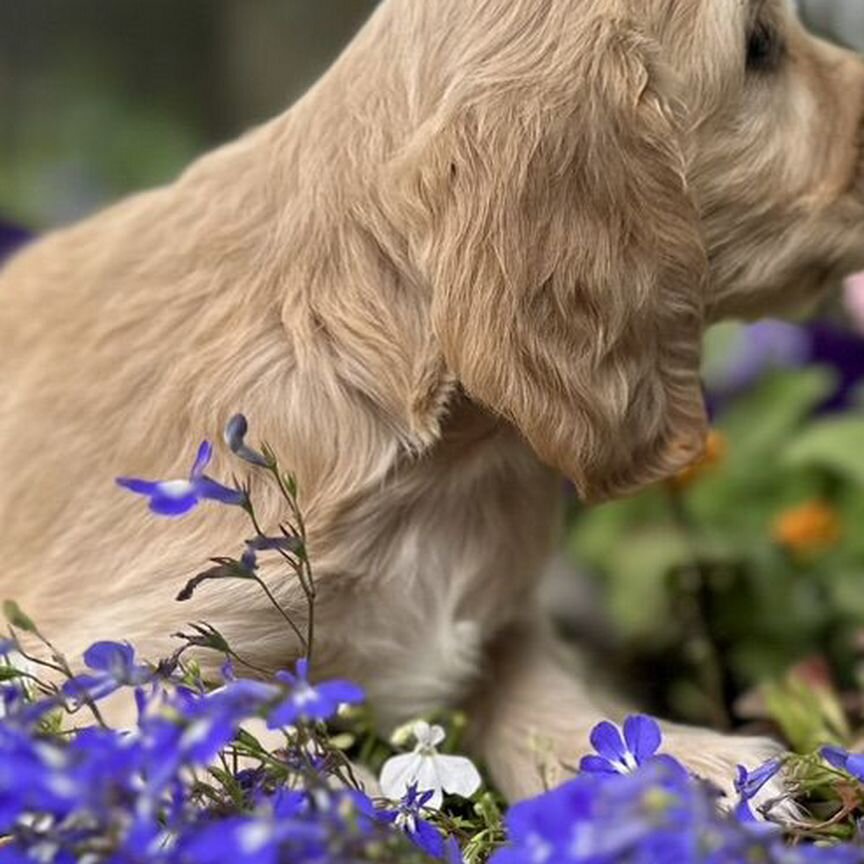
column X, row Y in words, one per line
column 427, row 838
column 835, row 756
column 341, row 692
column 113, row 657
column 457, row 775
column 398, row 774
column 235, row 434
column 596, row 765
column 428, row 779
column 285, row 714
column 607, row 741
column 139, row 487
column 436, row 736
column 750, row 782
column 642, row 735
column 202, row 460
column 94, row 687
column 855, row 766
column 422, row 732
column 171, row 506
column 206, row 487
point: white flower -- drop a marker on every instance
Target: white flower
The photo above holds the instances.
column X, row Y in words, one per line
column 429, row 770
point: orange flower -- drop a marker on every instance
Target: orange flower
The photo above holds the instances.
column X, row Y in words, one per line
column 812, row 526
column 715, row 452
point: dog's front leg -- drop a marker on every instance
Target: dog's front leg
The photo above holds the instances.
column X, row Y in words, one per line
column 535, row 712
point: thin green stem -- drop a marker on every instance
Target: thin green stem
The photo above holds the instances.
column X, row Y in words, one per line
column 701, row 642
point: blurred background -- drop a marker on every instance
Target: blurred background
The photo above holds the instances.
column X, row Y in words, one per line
column 736, row 592
column 101, row 97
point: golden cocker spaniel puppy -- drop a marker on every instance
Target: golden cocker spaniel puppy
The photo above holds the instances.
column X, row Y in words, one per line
column 481, row 251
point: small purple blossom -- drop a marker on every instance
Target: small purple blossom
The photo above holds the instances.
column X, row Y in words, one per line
column 12, row 237
column 113, row 665
column 308, row 702
column 622, row 755
column 177, row 497
column 759, row 348
column 235, row 438
column 408, row 818
column 749, row 783
column 851, row 763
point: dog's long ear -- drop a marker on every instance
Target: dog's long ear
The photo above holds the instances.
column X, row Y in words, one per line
column 552, row 221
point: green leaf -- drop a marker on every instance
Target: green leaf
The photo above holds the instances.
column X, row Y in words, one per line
column 17, row 618
column 763, row 420
column 637, row 571
column 808, row 716
column 836, row 445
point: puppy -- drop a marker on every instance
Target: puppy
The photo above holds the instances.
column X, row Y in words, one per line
column 481, row 252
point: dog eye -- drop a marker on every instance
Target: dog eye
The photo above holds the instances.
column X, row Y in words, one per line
column 764, row 48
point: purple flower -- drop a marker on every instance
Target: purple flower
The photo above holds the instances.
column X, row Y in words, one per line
column 851, row 763
column 759, row 348
column 11, row 238
column 647, row 815
column 310, row 702
column 617, row 755
column 407, row 818
column 245, row 840
column 748, row 784
column 114, row 666
column 235, row 438
column 176, row 497
column 843, row 351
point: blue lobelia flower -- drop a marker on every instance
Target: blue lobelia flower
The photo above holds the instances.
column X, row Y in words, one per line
column 617, row 755
column 243, row 840
column 235, row 438
column 748, row 784
column 644, row 816
column 176, row 497
column 851, row 763
column 307, row 702
column 114, row 666
column 11, row 238
column 407, row 817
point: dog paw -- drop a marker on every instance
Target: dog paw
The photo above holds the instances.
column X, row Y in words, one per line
column 715, row 757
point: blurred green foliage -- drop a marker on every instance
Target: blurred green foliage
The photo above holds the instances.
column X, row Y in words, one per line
column 725, row 572
column 100, row 98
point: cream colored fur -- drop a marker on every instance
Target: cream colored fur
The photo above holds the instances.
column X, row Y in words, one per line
column 480, row 251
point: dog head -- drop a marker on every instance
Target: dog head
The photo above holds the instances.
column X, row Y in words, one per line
column 599, row 179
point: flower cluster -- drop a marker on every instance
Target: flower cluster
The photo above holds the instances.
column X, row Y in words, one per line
column 190, row 784
column 629, row 804
column 172, row 789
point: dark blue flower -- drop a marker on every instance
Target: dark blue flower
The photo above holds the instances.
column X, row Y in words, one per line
column 617, row 755
column 407, row 817
column 748, row 784
column 12, row 238
column 308, row 702
column 644, row 816
column 176, row 497
column 851, row 763
column 755, row 350
column 114, row 666
column 241, row 840
column 235, row 438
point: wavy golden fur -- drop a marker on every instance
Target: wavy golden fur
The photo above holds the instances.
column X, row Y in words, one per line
column 481, row 250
